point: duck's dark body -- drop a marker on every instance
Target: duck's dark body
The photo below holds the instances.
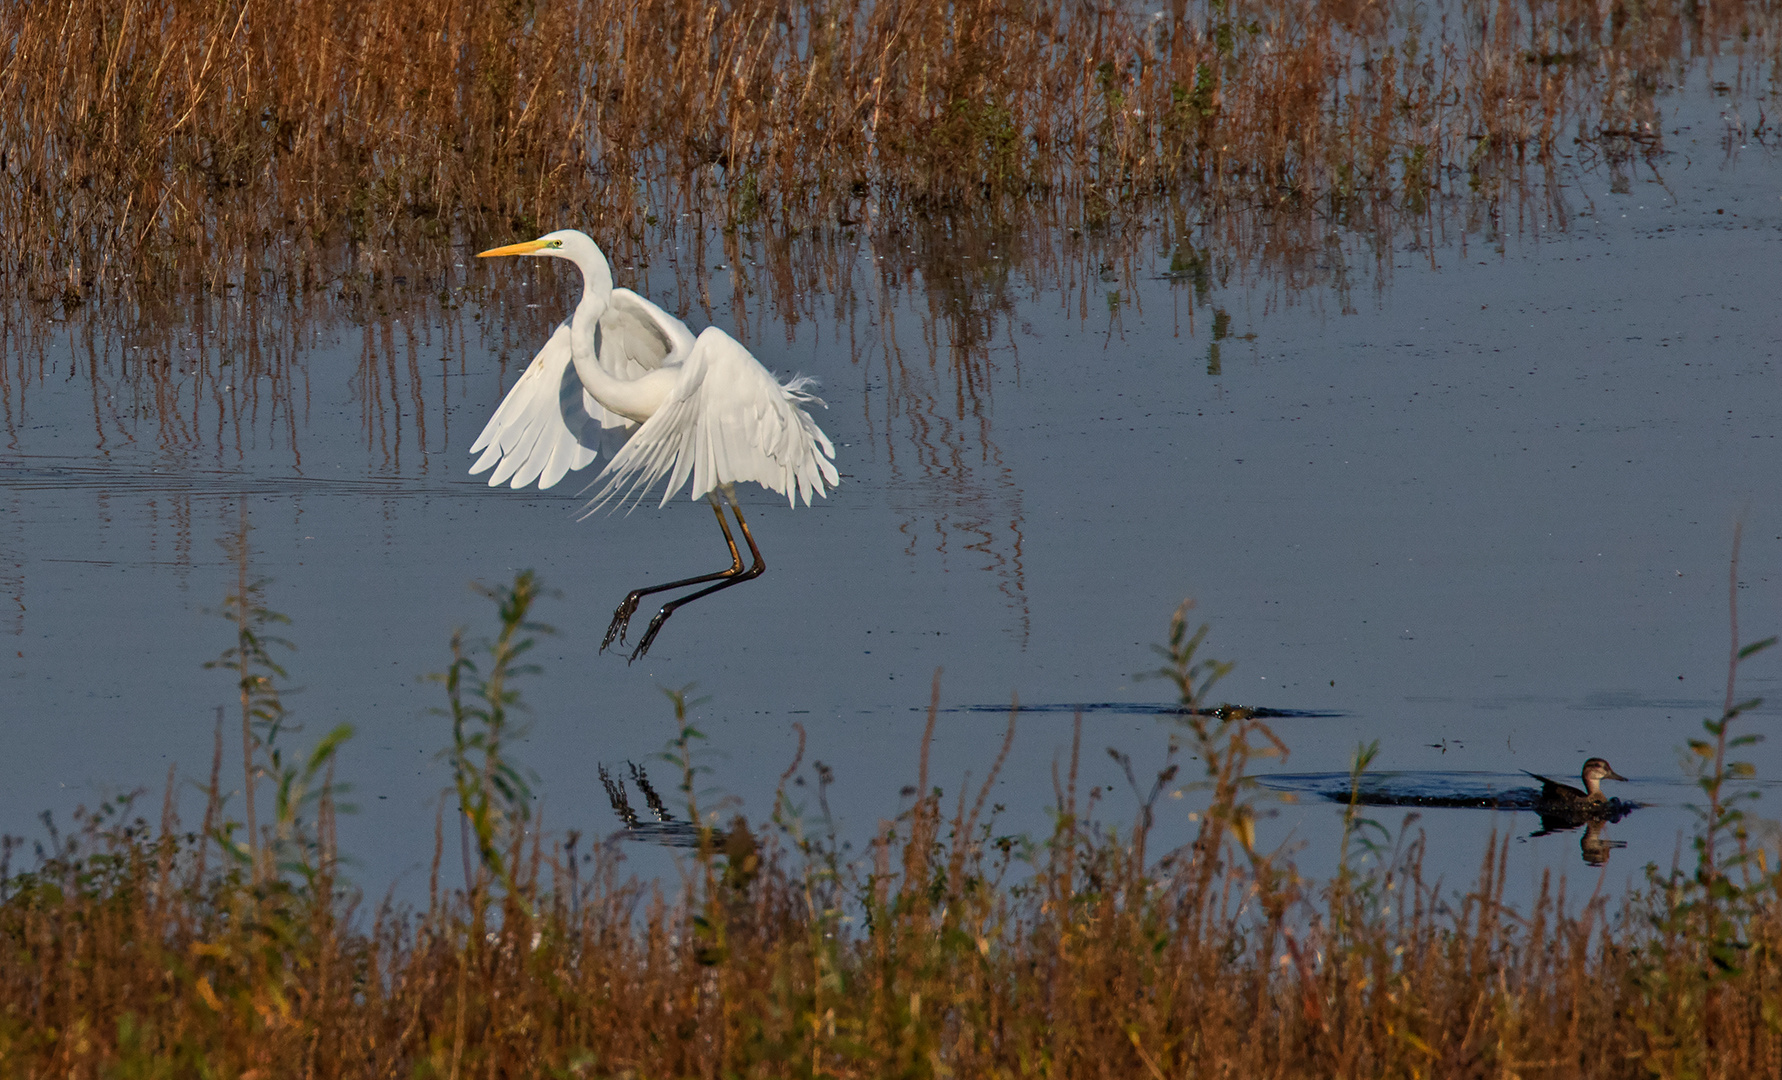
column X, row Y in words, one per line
column 1589, row 801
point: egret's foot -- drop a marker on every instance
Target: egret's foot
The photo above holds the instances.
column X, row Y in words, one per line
column 615, row 630
column 643, row 646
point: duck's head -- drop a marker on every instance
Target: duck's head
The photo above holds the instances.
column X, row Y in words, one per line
column 1596, row 770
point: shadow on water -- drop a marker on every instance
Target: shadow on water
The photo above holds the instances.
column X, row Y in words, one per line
column 1143, row 708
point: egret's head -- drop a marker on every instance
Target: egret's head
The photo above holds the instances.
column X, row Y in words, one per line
column 564, row 244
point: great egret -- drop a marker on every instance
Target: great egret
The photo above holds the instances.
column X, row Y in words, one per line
column 621, row 375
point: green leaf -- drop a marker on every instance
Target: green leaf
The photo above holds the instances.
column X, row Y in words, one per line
column 1756, row 647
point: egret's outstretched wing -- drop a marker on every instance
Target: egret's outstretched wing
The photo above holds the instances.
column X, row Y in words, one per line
column 547, row 424
column 637, row 336
column 727, row 420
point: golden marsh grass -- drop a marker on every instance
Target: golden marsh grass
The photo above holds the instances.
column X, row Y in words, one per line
column 187, row 142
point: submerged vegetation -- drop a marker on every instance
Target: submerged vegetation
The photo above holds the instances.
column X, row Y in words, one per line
column 947, row 949
column 191, row 142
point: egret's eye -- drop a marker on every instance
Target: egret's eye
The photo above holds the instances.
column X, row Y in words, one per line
column 556, row 243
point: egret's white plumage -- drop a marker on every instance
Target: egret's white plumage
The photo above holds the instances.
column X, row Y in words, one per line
column 625, row 379
column 725, row 420
column 622, row 372
column 547, row 424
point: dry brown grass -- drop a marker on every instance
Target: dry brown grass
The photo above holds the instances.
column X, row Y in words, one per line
column 192, row 141
column 946, row 951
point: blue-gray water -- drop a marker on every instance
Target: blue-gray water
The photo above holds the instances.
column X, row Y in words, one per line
column 1474, row 497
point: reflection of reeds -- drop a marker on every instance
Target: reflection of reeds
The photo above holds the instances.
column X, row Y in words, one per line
column 207, row 143
column 951, row 481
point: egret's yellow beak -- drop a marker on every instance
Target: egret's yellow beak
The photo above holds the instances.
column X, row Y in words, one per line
column 525, row 247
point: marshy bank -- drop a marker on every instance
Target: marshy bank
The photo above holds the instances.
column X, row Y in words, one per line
column 165, row 144
column 943, row 948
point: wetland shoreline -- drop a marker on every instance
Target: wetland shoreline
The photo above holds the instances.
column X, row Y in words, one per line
column 943, row 948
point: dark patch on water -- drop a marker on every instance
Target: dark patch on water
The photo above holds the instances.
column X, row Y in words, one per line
column 1143, row 708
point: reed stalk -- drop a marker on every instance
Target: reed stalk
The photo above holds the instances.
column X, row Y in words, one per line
column 205, row 144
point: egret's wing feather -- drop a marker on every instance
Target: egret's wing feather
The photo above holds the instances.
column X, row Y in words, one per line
column 565, row 458
column 636, row 336
column 545, row 367
column 726, row 420
column 546, row 425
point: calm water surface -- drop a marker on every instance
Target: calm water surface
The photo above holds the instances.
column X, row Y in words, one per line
column 1472, row 496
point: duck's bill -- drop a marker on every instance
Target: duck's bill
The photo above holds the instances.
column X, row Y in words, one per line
column 1613, row 775
column 525, row 247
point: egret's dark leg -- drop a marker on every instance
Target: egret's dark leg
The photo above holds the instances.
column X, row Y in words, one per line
column 628, row 607
column 756, row 570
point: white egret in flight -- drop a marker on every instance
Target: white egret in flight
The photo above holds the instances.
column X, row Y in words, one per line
column 623, row 377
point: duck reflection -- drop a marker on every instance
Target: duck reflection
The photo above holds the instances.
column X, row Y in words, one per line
column 1563, row 808
column 1595, row 844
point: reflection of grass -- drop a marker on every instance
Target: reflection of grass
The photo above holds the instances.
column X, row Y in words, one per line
column 947, row 950
column 208, row 141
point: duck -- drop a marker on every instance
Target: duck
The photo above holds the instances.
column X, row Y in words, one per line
column 1566, row 797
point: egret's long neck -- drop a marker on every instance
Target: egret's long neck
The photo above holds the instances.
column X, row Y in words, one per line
column 635, row 399
column 597, row 293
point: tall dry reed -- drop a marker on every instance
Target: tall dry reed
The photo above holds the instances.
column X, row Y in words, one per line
column 191, row 141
